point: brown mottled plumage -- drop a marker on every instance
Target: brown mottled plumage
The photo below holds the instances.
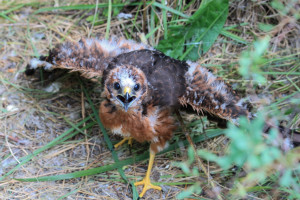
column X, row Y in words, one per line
column 206, row 92
column 143, row 87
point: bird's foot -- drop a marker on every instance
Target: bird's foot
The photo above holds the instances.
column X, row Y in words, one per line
column 123, row 141
column 147, row 185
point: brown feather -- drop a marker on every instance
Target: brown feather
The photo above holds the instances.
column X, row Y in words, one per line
column 155, row 127
column 207, row 92
column 142, row 87
column 165, row 83
column 90, row 57
column 165, row 76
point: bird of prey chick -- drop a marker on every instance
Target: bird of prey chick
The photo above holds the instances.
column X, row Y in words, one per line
column 142, row 88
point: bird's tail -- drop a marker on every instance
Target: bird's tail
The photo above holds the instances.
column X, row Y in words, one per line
column 206, row 92
column 88, row 56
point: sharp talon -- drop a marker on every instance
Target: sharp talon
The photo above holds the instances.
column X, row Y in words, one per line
column 146, row 181
column 147, row 185
column 123, row 141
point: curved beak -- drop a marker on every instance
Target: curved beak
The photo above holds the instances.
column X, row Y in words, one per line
column 126, row 99
column 126, row 102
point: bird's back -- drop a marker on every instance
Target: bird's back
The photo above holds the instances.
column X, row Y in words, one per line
column 165, row 76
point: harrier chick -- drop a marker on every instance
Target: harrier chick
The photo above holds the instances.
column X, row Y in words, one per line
column 142, row 88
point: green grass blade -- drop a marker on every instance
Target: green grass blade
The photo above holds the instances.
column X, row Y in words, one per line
column 136, row 158
column 4, row 13
column 66, row 195
column 6, row 17
column 234, row 37
column 14, row 8
column 281, row 73
column 83, row 7
column 164, row 16
column 108, row 20
column 23, row 89
column 106, row 138
column 150, row 34
column 176, row 12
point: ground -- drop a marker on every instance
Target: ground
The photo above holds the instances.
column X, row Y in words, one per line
column 36, row 110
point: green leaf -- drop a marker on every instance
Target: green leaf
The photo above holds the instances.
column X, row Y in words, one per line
column 207, row 155
column 91, row 18
column 173, row 46
column 194, row 38
column 206, row 25
column 191, row 156
column 184, row 167
column 3, row 110
column 265, row 27
column 286, row 178
column 278, row 6
column 194, row 189
column 261, row 46
column 252, row 60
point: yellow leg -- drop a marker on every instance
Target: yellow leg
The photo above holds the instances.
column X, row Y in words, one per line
column 124, row 140
column 130, row 141
column 146, row 181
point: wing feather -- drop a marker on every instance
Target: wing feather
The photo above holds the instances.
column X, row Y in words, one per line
column 206, row 92
column 90, row 57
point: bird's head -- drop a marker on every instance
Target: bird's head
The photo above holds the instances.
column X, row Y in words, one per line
column 126, row 86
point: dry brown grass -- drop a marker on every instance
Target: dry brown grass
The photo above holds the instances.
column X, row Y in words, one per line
column 27, row 122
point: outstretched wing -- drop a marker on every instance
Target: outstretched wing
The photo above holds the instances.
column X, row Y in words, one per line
column 170, row 81
column 206, row 92
column 90, row 57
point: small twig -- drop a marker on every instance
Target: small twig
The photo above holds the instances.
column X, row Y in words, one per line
column 7, row 143
column 144, row 16
column 200, row 163
column 11, row 138
column 116, row 191
column 23, row 24
column 11, row 113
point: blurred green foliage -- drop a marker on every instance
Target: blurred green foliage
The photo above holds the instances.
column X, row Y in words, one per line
column 252, row 60
column 247, row 147
column 259, row 154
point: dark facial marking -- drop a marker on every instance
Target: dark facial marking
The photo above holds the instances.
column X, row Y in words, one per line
column 113, row 109
column 145, row 111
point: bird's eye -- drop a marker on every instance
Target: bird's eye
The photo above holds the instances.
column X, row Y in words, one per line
column 116, row 85
column 136, row 87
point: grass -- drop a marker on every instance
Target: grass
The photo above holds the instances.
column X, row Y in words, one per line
column 54, row 145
